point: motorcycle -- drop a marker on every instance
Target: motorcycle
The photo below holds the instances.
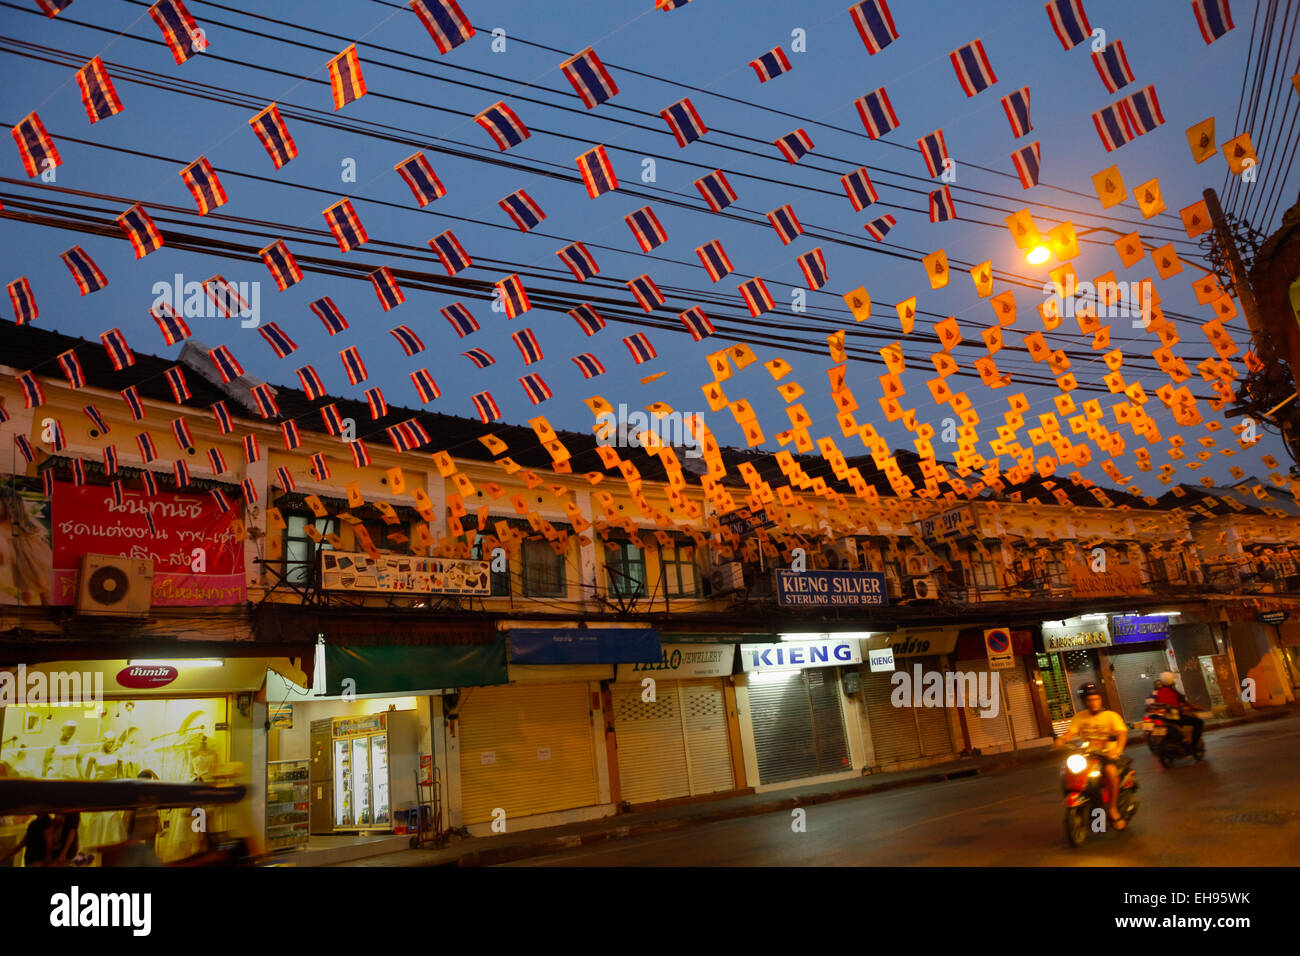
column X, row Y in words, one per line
column 1085, row 791
column 1166, row 737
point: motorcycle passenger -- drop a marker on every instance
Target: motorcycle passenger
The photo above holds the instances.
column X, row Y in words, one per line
column 1107, row 730
column 1169, row 695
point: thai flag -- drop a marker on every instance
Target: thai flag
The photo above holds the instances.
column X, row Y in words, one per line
column 1026, row 160
column 697, row 323
column 879, row 228
column 1069, row 21
column 1112, row 66
column 419, row 175
column 813, row 265
column 217, row 460
column 646, row 228
column 450, row 252
column 57, row 441
column 597, row 174
column 684, row 121
column 226, row 364
column 538, row 391
column 83, row 269
column 1112, row 124
column 590, row 78
column 640, row 347
column 877, row 113
column 445, row 22
column 284, row 478
column 119, row 496
column 225, row 424
column 528, row 346
column 520, row 207
column 665, row 5
column 181, row 432
column 277, row 339
column 224, row 297
column 71, row 367
column 974, row 72
column 875, row 24
column 505, row 128
column 140, row 229
column 119, row 353
column 270, row 129
column 409, row 341
column 280, row 261
column 772, row 63
column 25, row 447
column 514, row 299
column 35, row 146
column 319, row 467
column 360, row 454
column 329, row 314
column 479, row 357
column 180, row 387
column 252, row 452
column 425, row 385
column 20, row 294
column 178, row 28
column 487, row 408
column 148, row 451
column 715, row 260
column 589, row 365
column 588, row 319
column 786, row 224
column 333, row 420
column 386, row 287
column 857, row 185
column 353, row 365
column 795, row 146
column 346, row 81
column 292, row 439
column 249, row 487
column 1143, row 111
column 715, row 189
column 4, row 415
column 941, row 206
column 96, row 418
column 54, row 7
column 78, row 472
column 646, row 292
column 201, row 180
column 110, row 459
column 264, row 399
column 131, row 396
column 150, row 483
column 460, row 319
column 343, row 222
column 579, row 261
column 1213, row 17
column 412, row 434
column 378, row 404
column 1016, row 105
column 97, row 91
column 757, row 299
column 934, row 151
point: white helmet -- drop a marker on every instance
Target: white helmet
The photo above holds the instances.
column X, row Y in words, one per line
column 1169, row 678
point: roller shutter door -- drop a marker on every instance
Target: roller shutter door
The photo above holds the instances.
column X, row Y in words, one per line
column 936, row 731
column 651, row 744
column 893, row 729
column 798, row 725
column 828, row 719
column 1135, row 673
column 985, row 732
column 527, row 749
column 708, row 744
column 1020, row 701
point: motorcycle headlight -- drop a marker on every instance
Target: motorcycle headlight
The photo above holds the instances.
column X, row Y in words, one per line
column 1076, row 763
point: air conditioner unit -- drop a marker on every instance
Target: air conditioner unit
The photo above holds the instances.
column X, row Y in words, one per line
column 114, row 586
column 926, row 588
column 727, row 578
column 842, row 554
column 918, row 564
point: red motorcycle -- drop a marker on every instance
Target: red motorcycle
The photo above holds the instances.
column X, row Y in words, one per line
column 1085, row 791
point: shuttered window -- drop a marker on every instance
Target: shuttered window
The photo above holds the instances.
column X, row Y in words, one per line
column 674, row 746
column 1136, row 672
column 798, row 724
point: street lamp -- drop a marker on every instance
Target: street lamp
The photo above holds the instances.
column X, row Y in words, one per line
column 1038, row 255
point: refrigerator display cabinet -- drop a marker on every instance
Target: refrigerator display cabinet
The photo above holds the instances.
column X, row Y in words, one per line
column 287, row 804
column 362, row 771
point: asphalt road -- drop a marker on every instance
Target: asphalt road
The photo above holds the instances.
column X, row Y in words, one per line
column 1241, row 807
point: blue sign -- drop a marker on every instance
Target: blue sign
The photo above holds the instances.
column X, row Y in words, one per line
column 585, row 645
column 1273, row 617
column 831, row 589
column 1135, row 629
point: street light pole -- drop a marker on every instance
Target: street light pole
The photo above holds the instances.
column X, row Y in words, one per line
column 1240, row 280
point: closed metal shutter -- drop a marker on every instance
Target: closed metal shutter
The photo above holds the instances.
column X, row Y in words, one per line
column 985, row 732
column 651, row 745
column 893, row 729
column 708, row 744
column 798, row 725
column 526, row 748
column 1136, row 672
column 828, row 718
column 1020, row 701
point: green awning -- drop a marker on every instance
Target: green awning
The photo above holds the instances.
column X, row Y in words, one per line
column 387, row 668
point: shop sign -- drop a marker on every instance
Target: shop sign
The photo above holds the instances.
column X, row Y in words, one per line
column 881, row 660
column 143, row 677
column 681, row 661
column 921, row 643
column 1136, row 629
column 356, row 726
column 946, row 523
column 743, row 522
column 831, row 589
column 1073, row 637
column 831, row 652
column 997, row 644
column 403, row 574
column 280, row 715
column 1117, row 579
column 1273, row 617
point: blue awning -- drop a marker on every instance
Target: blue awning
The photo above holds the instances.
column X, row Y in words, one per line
column 584, row 645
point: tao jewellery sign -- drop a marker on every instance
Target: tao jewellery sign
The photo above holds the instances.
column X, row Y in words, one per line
column 681, row 661
column 1135, row 629
column 1073, row 637
column 828, row 652
column 831, row 589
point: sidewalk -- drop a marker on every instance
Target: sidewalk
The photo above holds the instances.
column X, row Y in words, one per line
column 488, row 851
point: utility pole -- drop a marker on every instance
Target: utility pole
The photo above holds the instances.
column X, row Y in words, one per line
column 1240, row 280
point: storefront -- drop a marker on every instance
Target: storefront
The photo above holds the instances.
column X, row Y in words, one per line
column 1138, row 655
column 1195, row 647
column 793, row 707
column 1068, row 660
column 673, row 735
column 897, row 734
column 1002, row 719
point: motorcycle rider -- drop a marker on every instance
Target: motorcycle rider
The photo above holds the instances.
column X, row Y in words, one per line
column 1108, row 730
column 1169, row 695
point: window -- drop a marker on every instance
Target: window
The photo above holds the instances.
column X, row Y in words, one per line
column 984, row 574
column 543, row 569
column 681, row 578
column 1055, row 571
column 380, row 530
column 625, row 569
column 499, row 580
column 300, row 551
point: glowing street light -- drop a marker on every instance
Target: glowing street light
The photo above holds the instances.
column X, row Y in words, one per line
column 1038, row 255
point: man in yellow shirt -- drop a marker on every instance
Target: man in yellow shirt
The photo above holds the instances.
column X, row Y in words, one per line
column 1107, row 734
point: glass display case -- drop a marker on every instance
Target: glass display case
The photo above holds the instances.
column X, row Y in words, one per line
column 288, row 807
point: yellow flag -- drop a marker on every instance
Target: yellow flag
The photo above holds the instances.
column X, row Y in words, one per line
column 653, row 378
column 789, row 391
column 720, row 366
column 893, row 356
column 1004, row 307
column 859, row 303
column 742, row 355
column 907, row 314
column 936, row 269
column 1149, row 199
column 1130, row 248
column 1166, row 260
column 493, row 444
column 1023, row 229
column 1196, row 218
column 982, row 276
column 779, row 368
column 835, row 342
column 1239, row 153
column 396, row 481
column 1201, row 140
column 599, row 406
column 1110, row 187
column 715, row 396
column 1064, row 242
